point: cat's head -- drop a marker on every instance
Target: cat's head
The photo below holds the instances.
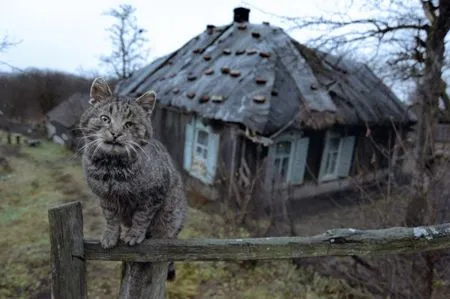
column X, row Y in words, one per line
column 116, row 125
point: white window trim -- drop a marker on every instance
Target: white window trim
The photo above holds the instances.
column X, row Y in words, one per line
column 198, row 125
column 334, row 175
column 291, row 140
column 298, row 142
column 343, row 160
column 206, row 177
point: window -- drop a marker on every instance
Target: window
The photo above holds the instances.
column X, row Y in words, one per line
column 287, row 160
column 331, row 155
column 201, row 144
column 282, row 160
column 200, row 151
column 337, row 156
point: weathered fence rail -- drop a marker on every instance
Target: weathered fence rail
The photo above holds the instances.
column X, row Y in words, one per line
column 70, row 251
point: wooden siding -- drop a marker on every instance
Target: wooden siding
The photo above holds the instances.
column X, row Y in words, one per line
column 169, row 126
column 372, row 153
column 367, row 150
column 442, row 133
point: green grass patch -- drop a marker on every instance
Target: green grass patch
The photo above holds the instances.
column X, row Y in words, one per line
column 49, row 174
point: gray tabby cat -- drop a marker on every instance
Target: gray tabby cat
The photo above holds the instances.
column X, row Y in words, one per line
column 130, row 171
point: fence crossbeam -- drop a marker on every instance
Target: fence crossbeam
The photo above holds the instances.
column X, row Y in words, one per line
column 69, row 250
column 337, row 242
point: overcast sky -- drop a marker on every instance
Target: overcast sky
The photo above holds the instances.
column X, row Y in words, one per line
column 69, row 35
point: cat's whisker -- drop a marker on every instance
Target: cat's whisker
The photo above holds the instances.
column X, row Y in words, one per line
column 87, row 145
column 88, row 136
column 79, row 127
column 128, row 152
column 134, row 150
column 140, row 147
column 80, row 147
column 97, row 147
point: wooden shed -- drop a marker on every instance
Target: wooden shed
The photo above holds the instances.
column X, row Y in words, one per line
column 63, row 119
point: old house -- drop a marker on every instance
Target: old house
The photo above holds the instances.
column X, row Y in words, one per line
column 62, row 120
column 245, row 103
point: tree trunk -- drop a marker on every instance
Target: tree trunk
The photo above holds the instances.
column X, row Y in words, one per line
column 422, row 208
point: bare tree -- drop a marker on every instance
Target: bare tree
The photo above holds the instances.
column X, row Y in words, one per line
column 408, row 36
column 390, row 35
column 406, row 40
column 129, row 43
column 30, row 94
column 6, row 42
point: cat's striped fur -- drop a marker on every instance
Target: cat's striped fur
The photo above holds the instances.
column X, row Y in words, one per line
column 130, row 171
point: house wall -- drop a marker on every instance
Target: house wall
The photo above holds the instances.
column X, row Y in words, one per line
column 373, row 152
column 169, row 126
column 315, row 150
column 370, row 157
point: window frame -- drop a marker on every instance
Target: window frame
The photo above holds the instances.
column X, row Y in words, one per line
column 210, row 161
column 334, row 175
column 197, row 144
column 297, row 162
column 281, row 157
column 344, row 159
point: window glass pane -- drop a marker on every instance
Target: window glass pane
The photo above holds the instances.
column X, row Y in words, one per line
column 202, row 137
column 198, row 150
column 283, row 148
column 333, row 163
column 276, row 164
column 205, row 153
column 284, row 168
column 334, row 144
column 330, row 165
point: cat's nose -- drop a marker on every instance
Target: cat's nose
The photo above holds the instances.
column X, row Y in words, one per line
column 115, row 135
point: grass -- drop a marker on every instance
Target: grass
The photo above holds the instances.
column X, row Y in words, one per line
column 49, row 174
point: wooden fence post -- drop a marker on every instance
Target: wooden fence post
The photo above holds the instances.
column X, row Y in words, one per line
column 143, row 280
column 67, row 251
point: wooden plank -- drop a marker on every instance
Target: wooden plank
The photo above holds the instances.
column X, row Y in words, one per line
column 339, row 242
column 66, row 242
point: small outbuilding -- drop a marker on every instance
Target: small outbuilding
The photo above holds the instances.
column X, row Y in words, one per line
column 63, row 119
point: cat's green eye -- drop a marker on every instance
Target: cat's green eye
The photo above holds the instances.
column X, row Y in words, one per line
column 128, row 124
column 105, row 119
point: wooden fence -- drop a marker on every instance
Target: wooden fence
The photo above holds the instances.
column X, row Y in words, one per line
column 69, row 250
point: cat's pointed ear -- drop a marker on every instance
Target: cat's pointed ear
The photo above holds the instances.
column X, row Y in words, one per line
column 100, row 91
column 147, row 101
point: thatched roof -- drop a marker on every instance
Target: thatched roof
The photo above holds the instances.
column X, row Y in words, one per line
column 257, row 75
column 68, row 112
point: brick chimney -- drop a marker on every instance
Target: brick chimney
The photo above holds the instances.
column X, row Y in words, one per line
column 241, row 14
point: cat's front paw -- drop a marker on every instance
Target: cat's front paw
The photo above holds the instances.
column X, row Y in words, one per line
column 109, row 238
column 134, row 236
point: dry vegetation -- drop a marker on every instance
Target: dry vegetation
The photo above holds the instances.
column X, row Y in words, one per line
column 30, row 94
column 40, row 177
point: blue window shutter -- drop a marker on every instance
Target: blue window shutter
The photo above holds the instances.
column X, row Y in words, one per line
column 346, row 155
column 213, row 152
column 188, row 144
column 298, row 160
